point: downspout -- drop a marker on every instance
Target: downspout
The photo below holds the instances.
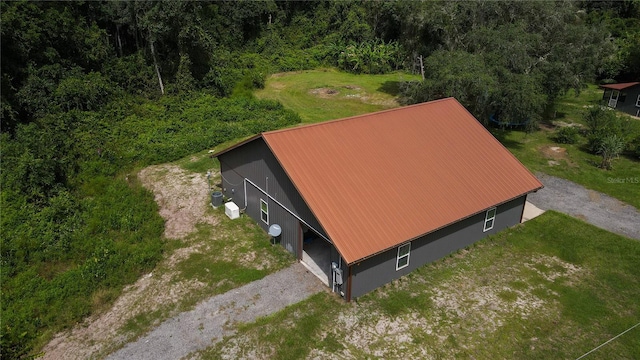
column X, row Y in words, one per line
column 349, row 279
column 244, row 182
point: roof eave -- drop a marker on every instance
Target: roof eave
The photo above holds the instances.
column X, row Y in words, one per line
column 349, row 263
column 226, row 150
column 620, row 86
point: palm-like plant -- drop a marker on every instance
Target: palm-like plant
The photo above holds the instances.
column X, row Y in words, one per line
column 610, row 147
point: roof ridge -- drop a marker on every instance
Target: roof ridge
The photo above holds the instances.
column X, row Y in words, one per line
column 354, row 117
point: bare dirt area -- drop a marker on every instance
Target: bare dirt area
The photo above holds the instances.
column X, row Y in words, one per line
column 179, row 195
column 330, row 93
column 181, row 198
column 556, row 154
column 324, row 93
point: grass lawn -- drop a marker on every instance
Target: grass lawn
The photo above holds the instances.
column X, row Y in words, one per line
column 554, row 287
column 326, row 94
column 539, row 152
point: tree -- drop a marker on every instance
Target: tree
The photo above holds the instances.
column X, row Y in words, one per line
column 536, row 51
column 458, row 74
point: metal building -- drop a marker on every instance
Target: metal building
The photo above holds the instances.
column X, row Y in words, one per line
column 370, row 198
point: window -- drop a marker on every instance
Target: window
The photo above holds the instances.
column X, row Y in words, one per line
column 623, row 97
column 264, row 211
column 402, row 260
column 638, row 101
column 489, row 219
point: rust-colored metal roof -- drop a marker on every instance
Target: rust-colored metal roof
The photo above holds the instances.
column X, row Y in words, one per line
column 620, row 86
column 375, row 181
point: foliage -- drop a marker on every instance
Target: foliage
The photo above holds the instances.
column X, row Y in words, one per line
column 466, row 77
column 622, row 20
column 81, row 107
column 635, row 145
column 567, row 135
column 527, row 62
column 603, row 123
column 371, row 57
column 71, row 223
column 610, row 147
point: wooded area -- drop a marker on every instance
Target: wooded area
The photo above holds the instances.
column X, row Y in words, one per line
column 92, row 91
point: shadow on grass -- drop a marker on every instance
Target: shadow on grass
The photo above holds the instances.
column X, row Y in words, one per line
column 390, row 87
column 501, row 135
column 629, row 155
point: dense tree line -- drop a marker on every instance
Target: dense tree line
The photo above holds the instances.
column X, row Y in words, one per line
column 90, row 90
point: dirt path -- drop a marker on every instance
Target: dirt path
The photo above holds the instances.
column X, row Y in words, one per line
column 179, row 195
column 214, row 318
column 591, row 206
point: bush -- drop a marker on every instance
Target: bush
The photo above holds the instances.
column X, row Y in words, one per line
column 567, row 135
column 610, row 147
column 371, row 57
column 604, row 123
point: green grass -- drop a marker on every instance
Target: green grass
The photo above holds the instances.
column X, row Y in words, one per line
column 569, row 108
column 235, row 253
column 575, row 164
column 554, row 287
column 348, row 94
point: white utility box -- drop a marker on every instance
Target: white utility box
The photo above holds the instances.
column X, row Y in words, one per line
column 232, row 210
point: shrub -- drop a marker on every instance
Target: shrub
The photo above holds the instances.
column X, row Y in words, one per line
column 371, row 57
column 567, row 135
column 604, row 123
column 610, row 147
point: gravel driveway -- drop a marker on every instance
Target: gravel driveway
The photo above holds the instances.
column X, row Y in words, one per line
column 591, row 206
column 213, row 319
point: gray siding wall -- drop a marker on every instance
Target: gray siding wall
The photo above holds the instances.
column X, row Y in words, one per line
column 381, row 269
column 255, row 162
column 277, row 215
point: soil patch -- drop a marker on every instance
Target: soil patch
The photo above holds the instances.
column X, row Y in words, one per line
column 556, row 154
column 182, row 197
column 324, row 93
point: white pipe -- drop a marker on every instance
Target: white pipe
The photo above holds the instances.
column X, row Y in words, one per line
column 244, row 183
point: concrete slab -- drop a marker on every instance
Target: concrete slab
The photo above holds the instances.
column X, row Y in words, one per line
column 315, row 257
column 530, row 211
